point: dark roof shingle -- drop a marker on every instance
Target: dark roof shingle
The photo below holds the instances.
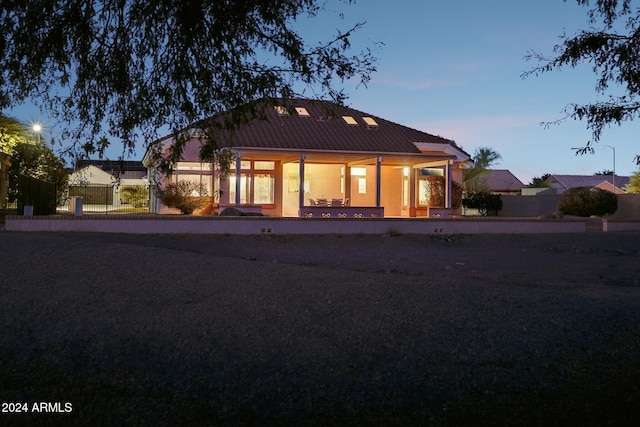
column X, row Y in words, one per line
column 324, row 129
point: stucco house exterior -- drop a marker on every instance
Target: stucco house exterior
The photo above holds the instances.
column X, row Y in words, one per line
column 319, row 159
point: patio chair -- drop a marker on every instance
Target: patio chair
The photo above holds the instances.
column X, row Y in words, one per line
column 336, row 203
column 312, row 202
column 322, row 202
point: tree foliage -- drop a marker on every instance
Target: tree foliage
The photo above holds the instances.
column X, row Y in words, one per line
column 28, row 157
column 633, row 186
column 588, row 201
column 435, row 191
column 612, row 48
column 539, row 182
column 125, row 68
column 12, row 133
column 474, row 179
column 38, row 161
column 135, row 195
column 483, row 201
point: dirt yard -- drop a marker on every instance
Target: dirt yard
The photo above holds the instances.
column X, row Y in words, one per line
column 323, row 330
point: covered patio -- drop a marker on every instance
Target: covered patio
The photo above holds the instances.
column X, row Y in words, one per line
column 347, row 185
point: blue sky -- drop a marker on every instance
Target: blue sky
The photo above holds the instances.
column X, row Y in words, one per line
column 453, row 69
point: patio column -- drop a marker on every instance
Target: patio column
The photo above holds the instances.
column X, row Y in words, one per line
column 238, row 177
column 447, row 171
column 378, row 178
column 301, row 183
column 413, row 201
column 347, row 184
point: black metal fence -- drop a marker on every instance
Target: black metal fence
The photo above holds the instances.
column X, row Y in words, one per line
column 107, row 199
column 40, row 195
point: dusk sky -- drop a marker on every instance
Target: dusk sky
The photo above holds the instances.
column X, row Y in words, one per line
column 454, row 69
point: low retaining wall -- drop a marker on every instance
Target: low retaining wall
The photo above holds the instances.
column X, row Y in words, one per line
column 266, row 225
column 608, row 225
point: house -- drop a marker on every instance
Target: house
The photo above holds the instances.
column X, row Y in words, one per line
column 563, row 182
column 132, row 172
column 498, row 181
column 315, row 158
column 100, row 181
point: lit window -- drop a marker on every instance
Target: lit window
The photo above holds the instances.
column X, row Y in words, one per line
column 349, row 120
column 264, row 165
column 362, row 185
column 370, row 122
column 245, row 185
column 358, row 171
column 189, row 166
column 264, row 188
column 302, row 112
column 203, row 182
column 244, row 164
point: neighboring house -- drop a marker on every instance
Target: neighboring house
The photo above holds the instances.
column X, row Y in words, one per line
column 317, row 152
column 131, row 170
column 500, row 181
column 563, row 182
column 99, row 181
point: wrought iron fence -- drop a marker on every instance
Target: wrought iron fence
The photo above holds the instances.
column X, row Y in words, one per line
column 39, row 195
column 107, row 199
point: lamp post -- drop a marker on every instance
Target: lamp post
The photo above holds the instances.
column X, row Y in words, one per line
column 37, row 128
column 613, row 175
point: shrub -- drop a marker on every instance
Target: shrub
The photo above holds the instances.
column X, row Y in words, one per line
column 136, row 195
column 435, row 192
column 483, row 201
column 186, row 196
column 588, row 201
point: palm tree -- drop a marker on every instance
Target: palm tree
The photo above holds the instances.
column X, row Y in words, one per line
column 473, row 179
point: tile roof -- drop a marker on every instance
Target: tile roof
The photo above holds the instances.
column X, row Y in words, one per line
column 324, row 128
column 570, row 181
column 113, row 165
column 502, row 180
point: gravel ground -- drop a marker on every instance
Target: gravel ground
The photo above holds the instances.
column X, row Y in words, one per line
column 323, row 330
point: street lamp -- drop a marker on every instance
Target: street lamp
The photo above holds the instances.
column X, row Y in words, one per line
column 37, row 128
column 613, row 175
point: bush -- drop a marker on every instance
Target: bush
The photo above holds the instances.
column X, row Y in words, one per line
column 483, row 201
column 588, row 201
column 186, row 196
column 136, row 195
column 435, row 194
column 435, row 190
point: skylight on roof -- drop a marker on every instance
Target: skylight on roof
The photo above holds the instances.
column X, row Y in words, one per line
column 349, row 120
column 281, row 110
column 302, row 112
column 370, row 122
